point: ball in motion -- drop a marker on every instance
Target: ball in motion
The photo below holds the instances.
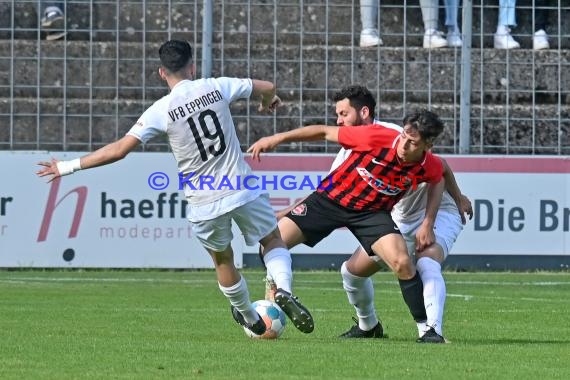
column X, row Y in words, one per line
column 273, row 317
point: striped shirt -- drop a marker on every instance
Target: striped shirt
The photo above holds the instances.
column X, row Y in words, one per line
column 373, row 177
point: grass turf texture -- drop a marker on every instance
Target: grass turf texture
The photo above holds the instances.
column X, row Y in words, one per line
column 177, row 325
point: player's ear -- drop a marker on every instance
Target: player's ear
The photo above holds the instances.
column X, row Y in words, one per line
column 162, row 73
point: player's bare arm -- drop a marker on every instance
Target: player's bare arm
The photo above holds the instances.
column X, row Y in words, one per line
column 425, row 235
column 309, row 133
column 110, row 153
column 463, row 203
column 266, row 91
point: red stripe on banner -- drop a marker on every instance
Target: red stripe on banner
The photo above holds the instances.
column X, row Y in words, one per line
column 490, row 164
column 280, row 202
column 459, row 164
column 293, row 162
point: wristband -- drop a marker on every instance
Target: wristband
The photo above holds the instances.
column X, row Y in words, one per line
column 68, row 167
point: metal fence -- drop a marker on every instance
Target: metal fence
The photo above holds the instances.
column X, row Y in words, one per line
column 88, row 88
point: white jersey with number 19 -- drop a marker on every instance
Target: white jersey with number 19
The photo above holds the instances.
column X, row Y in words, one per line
column 197, row 120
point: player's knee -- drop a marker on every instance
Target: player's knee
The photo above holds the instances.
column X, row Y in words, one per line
column 403, row 266
column 434, row 251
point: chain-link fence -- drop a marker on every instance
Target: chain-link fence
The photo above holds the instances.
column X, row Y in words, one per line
column 88, row 87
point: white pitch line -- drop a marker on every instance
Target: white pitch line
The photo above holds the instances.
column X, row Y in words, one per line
column 296, row 281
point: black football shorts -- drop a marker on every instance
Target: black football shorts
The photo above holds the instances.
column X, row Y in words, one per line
column 317, row 216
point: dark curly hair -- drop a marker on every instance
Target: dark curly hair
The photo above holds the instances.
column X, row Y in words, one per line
column 358, row 96
column 427, row 123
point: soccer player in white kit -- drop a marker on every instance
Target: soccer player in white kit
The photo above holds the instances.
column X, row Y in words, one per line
column 196, row 118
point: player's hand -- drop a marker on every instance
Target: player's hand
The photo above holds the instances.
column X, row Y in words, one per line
column 264, row 144
column 271, row 106
column 49, row 169
column 465, row 208
column 424, row 237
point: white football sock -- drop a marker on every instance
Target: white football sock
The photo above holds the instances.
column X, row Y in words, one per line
column 422, row 328
column 238, row 295
column 278, row 264
column 434, row 291
column 360, row 292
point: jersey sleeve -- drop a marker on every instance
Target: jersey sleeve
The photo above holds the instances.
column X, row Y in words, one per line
column 235, row 88
column 433, row 168
column 367, row 137
column 151, row 123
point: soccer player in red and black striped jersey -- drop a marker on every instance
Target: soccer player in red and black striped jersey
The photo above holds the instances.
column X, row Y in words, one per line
column 360, row 193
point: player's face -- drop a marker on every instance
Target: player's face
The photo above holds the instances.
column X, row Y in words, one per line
column 346, row 115
column 411, row 147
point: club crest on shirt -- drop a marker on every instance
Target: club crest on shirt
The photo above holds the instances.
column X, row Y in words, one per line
column 300, row 210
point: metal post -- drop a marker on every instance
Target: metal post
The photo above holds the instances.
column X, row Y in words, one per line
column 465, row 104
column 207, row 39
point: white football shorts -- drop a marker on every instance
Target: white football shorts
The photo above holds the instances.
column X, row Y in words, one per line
column 447, row 228
column 255, row 220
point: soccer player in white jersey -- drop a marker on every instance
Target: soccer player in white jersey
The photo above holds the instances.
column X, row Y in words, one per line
column 196, row 118
column 355, row 106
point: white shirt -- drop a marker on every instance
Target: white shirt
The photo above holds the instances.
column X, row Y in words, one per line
column 413, row 204
column 197, row 120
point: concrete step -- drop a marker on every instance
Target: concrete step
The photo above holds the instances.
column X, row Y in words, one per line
column 333, row 22
column 311, row 72
column 41, row 124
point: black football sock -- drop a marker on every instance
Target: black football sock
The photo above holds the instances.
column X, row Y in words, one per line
column 413, row 293
column 260, row 252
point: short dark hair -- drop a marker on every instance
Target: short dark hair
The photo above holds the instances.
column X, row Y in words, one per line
column 427, row 123
column 175, row 55
column 358, row 96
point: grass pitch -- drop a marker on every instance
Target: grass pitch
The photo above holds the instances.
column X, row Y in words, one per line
column 177, row 325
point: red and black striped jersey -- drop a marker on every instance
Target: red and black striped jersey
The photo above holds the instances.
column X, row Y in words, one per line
column 373, row 177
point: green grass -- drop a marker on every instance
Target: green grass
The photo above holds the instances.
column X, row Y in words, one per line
column 177, row 325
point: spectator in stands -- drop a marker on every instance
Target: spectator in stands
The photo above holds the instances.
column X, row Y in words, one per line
column 53, row 20
column 541, row 13
column 503, row 38
column 433, row 38
column 369, row 35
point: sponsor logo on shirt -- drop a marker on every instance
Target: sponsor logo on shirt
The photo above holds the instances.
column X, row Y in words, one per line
column 390, row 186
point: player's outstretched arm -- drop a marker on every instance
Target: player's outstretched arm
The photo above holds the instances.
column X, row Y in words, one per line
column 266, row 91
column 463, row 203
column 309, row 133
column 112, row 152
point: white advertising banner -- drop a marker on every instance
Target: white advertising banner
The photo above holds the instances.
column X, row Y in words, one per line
column 131, row 214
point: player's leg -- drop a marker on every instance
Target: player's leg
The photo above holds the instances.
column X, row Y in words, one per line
column 291, row 236
column 356, row 281
column 277, row 259
column 258, row 224
column 429, row 267
column 215, row 235
column 379, row 236
column 447, row 228
column 392, row 249
column 234, row 287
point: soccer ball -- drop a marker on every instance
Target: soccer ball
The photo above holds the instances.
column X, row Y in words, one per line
column 273, row 317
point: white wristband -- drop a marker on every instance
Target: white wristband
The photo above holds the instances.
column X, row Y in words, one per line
column 68, row 167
